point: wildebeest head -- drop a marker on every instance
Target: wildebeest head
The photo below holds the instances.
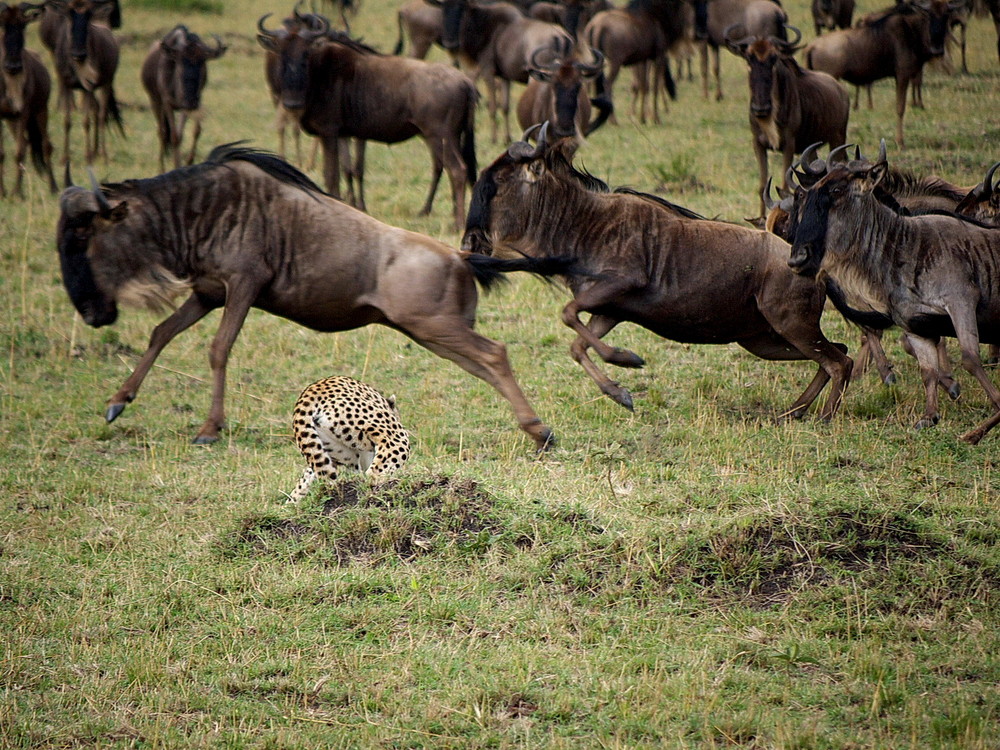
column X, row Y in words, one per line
column 82, row 213
column 938, row 14
column 453, row 12
column 13, row 19
column 983, row 201
column 293, row 44
column 80, row 14
column 762, row 56
column 522, row 176
column 842, row 189
column 557, row 64
column 189, row 56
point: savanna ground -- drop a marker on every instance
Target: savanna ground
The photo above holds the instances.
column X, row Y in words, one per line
column 694, row 574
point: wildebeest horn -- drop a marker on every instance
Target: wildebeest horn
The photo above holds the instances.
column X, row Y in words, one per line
column 593, row 67
column 550, row 63
column 769, row 203
column 798, row 35
column 881, row 152
column 988, row 186
column 739, row 43
column 792, row 177
column 102, row 202
column 809, row 156
column 262, row 30
column 219, row 46
column 836, row 153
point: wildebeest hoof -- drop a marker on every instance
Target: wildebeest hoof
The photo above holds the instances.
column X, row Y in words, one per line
column 890, row 379
column 954, row 392
column 113, row 411
column 625, row 358
column 926, row 422
column 205, row 439
column 972, row 437
column 619, row 395
column 546, row 441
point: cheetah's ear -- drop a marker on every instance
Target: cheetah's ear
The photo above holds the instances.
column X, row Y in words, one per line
column 392, row 401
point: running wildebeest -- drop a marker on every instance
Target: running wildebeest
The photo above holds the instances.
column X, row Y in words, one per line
column 85, row 53
column 24, row 97
column 639, row 259
column 790, row 108
column 983, row 201
column 933, row 275
column 174, row 74
column 245, row 229
column 344, row 89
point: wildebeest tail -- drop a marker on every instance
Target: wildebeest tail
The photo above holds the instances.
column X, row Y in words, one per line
column 601, row 102
column 398, row 49
column 36, row 143
column 469, row 139
column 668, row 81
column 490, row 271
column 114, row 113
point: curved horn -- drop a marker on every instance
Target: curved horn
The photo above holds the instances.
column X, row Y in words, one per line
column 102, row 202
column 769, row 203
column 798, row 35
column 591, row 68
column 549, row 64
column 835, row 154
column 314, row 32
column 262, row 30
column 792, row 177
column 809, row 156
column 730, row 42
column 988, row 180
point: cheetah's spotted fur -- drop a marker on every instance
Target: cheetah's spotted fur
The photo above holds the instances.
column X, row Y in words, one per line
column 342, row 422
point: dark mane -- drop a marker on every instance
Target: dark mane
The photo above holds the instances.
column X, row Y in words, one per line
column 587, row 180
column 350, row 42
column 220, row 156
column 685, row 212
column 902, row 182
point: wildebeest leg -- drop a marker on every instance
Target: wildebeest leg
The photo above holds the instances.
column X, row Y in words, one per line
column 715, row 72
column 68, row 107
column 901, row 84
column 871, row 351
column 593, row 297
column 640, row 87
column 453, row 162
column 967, row 331
column 183, row 318
column 451, row 337
column 703, row 57
column 331, row 165
column 803, row 332
column 761, row 155
column 3, row 159
column 358, row 169
column 435, row 146
column 240, row 296
column 599, row 326
column 614, row 68
column 868, row 89
column 918, row 90
column 491, row 85
column 926, row 353
column 344, row 149
column 945, row 378
column 505, row 88
column 195, row 135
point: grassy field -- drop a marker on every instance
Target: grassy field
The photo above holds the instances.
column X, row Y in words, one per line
column 693, row 574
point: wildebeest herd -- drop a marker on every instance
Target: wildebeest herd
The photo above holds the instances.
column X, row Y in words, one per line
column 885, row 247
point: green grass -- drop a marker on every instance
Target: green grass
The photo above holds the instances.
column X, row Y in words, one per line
column 694, row 574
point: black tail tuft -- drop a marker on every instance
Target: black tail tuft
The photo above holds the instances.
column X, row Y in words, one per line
column 668, row 82
column 490, row 271
column 469, row 141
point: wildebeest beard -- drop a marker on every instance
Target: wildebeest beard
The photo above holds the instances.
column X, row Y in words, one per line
column 94, row 306
column 808, row 230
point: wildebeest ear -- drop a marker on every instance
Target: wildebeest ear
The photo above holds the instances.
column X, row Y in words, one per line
column 117, row 213
column 31, row 12
column 540, row 75
column 875, row 174
column 103, row 11
column 267, row 42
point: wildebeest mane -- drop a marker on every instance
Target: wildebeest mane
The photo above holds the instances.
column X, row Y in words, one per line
column 687, row 213
column 222, row 155
column 350, row 42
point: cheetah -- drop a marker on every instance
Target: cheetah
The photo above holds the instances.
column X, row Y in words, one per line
column 340, row 421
